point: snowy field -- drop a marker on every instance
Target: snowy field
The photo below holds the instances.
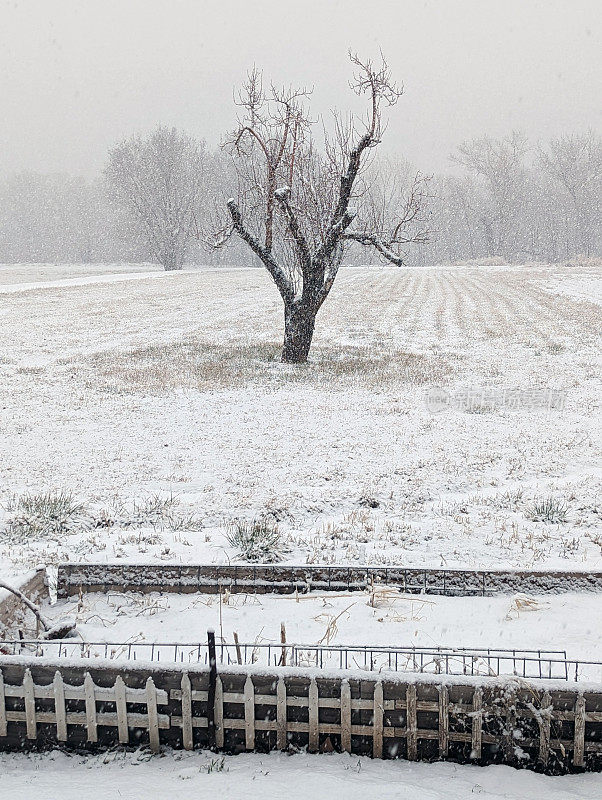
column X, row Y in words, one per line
column 157, row 401
column 423, row 432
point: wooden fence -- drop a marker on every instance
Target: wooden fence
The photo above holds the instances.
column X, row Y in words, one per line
column 537, row 724
column 211, row 578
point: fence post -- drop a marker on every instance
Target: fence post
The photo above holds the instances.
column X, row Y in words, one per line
column 345, row 716
column 153, row 717
column 443, row 721
column 313, row 713
column 544, row 719
column 411, row 722
column 249, row 696
column 508, row 740
column 90, row 699
column 122, row 710
column 578, row 753
column 187, row 735
column 60, row 716
column 30, row 705
column 281, row 714
column 3, row 720
column 477, row 723
column 378, row 721
column 211, row 693
column 219, row 714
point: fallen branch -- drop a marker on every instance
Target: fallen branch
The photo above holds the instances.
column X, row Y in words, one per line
column 60, row 630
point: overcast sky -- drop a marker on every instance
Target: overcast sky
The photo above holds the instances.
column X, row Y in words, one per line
column 77, row 75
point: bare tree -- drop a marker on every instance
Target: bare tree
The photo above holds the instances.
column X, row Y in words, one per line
column 454, row 226
column 159, row 179
column 498, row 163
column 574, row 163
column 299, row 207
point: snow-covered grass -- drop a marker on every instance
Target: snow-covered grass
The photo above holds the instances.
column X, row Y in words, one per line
column 584, row 286
column 20, row 277
column 170, row 386
column 136, row 776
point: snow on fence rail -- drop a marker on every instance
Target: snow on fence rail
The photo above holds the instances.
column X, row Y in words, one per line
column 415, row 717
column 439, row 660
column 73, row 578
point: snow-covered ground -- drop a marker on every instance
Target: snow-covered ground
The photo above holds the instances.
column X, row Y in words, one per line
column 159, row 402
column 31, row 275
column 169, row 385
column 584, row 286
column 57, row 776
column 568, row 622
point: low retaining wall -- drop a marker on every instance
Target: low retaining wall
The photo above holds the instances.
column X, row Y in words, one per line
column 12, row 610
column 73, row 578
column 540, row 725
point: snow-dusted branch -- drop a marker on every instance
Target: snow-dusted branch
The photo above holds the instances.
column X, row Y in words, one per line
column 60, row 631
column 280, row 279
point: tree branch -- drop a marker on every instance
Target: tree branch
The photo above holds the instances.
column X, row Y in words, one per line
column 280, row 279
column 374, row 241
column 57, row 631
column 283, row 196
column 333, row 235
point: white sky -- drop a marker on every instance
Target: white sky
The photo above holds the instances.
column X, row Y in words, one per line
column 77, row 75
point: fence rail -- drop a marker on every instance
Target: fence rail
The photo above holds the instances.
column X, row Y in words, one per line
column 532, row 664
column 73, row 578
column 90, row 718
column 394, row 716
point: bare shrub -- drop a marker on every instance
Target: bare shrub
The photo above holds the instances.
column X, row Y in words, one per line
column 511, row 499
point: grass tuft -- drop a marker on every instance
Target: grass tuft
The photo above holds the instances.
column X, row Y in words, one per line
column 46, row 514
column 258, row 540
column 548, row 509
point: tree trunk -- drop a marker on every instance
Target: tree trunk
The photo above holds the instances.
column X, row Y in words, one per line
column 171, row 256
column 299, row 321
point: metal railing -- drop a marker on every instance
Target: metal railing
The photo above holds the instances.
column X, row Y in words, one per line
column 552, row 664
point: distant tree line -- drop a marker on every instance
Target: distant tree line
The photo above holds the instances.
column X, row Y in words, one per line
column 162, row 199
